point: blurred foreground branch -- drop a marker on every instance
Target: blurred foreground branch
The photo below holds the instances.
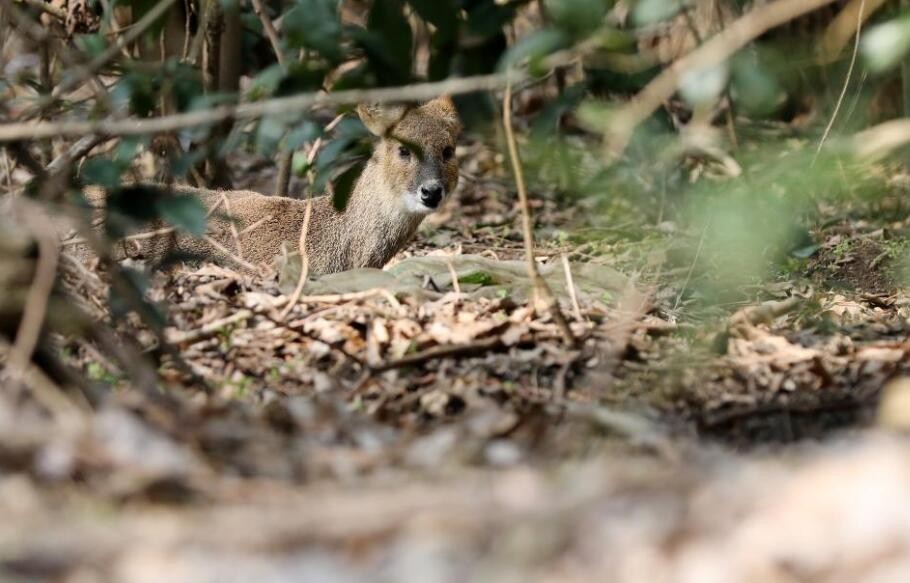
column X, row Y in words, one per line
column 882, row 139
column 283, row 106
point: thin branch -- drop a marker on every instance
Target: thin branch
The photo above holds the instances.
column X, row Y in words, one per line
column 228, row 255
column 230, row 218
column 474, row 348
column 281, row 106
column 570, row 283
column 542, row 291
column 711, row 54
column 270, row 32
column 183, row 337
column 843, row 93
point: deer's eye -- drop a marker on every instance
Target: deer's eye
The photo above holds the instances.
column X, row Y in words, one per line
column 448, row 152
column 403, row 153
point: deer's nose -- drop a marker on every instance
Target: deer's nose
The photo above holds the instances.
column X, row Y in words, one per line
column 431, row 193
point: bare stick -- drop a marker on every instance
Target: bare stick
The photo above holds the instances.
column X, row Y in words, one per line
column 843, row 93
column 477, row 347
column 270, row 31
column 305, row 228
column 570, row 283
column 456, row 285
column 284, row 166
column 210, row 329
column 35, row 307
column 304, row 261
column 227, row 253
column 232, row 226
column 257, row 224
column 711, row 54
column 542, row 292
column 284, row 105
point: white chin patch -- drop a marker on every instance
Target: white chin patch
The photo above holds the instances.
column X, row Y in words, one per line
column 413, row 205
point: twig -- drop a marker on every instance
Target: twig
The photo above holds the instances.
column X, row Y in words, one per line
column 35, row 308
column 340, row 298
column 456, row 285
column 305, row 227
column 284, row 105
column 228, row 255
column 270, row 31
column 542, row 291
column 256, row 225
column 231, row 225
column 843, row 93
column 190, row 336
column 570, row 284
column 477, row 347
column 304, row 261
column 298, row 329
column 711, row 54
column 282, row 181
column 76, row 152
column 764, row 313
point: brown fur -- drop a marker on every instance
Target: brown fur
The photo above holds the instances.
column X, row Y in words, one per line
column 378, row 221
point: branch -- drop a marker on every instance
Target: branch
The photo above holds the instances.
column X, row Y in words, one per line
column 280, row 106
column 711, row 54
column 270, row 31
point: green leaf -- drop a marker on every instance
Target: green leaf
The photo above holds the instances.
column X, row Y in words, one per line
column 805, row 252
column 477, row 277
column 269, row 134
column 344, row 185
column 533, row 46
column 387, row 42
column 184, row 211
column 577, row 18
column 102, row 172
column 314, row 24
column 652, row 11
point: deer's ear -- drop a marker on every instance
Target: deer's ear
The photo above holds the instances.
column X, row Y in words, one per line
column 443, row 107
column 380, row 118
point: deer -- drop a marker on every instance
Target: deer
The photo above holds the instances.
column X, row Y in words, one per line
column 411, row 173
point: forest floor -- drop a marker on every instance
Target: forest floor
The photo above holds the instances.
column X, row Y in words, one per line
column 424, row 424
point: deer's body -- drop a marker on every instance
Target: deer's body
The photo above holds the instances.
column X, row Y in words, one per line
column 397, row 189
